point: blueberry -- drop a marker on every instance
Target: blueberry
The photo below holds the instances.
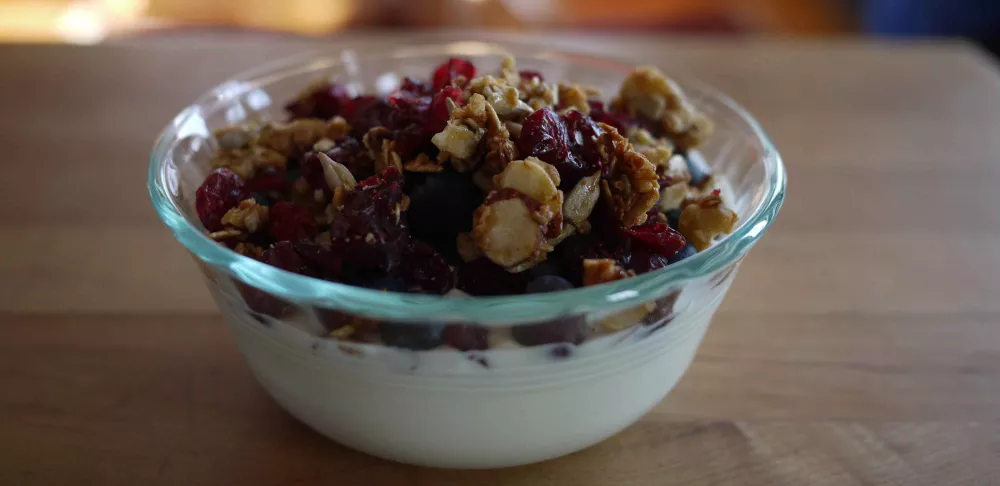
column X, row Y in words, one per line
column 547, row 283
column 467, row 337
column 698, row 167
column 261, row 199
column 687, row 251
column 543, row 269
column 442, row 206
column 418, row 337
column 673, row 217
column 388, row 283
column 563, row 330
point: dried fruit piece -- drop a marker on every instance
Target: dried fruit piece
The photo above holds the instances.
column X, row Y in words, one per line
column 657, row 237
column 482, row 277
column 543, row 135
column 451, row 69
column 422, row 267
column 370, row 230
column 704, row 218
column 248, row 215
column 322, row 99
column 418, row 337
column 220, row 191
column 632, row 187
column 467, row 337
column 510, row 227
column 290, row 222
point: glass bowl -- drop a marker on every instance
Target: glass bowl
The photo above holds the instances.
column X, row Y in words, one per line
column 507, row 405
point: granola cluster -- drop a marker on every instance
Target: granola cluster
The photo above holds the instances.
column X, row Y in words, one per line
column 488, row 184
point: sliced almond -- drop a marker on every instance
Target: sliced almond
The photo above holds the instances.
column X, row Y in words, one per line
column 509, row 228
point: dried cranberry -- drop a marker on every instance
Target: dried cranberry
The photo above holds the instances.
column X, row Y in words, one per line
column 437, row 116
column 421, row 266
column 411, row 140
column 583, row 133
column 329, row 262
column 563, row 330
column 264, row 303
column 370, row 229
column 467, row 337
column 620, row 121
column 414, row 86
column 481, row 277
column 528, row 74
column 289, row 222
column 284, row 256
column 324, row 102
column 269, row 179
column 543, row 135
column 366, row 112
column 657, row 237
column 407, row 109
column 452, row 68
column 312, row 171
column 221, row 191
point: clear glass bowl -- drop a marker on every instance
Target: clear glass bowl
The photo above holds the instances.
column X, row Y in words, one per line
column 502, row 406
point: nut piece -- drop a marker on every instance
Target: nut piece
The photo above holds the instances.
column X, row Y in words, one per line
column 649, row 93
column 467, row 248
column 423, row 163
column 574, row 97
column 248, row 215
column 246, row 161
column 293, row 138
column 704, row 218
column 336, row 174
column 582, row 198
column 602, row 270
column 249, row 249
column 382, row 149
column 627, row 318
column 532, row 178
column 538, row 94
column 457, row 141
column 509, row 228
column 460, row 141
column 235, row 137
column 501, row 95
column 338, row 128
column 633, row 187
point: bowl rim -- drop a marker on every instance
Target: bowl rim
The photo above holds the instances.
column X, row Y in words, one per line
column 494, row 310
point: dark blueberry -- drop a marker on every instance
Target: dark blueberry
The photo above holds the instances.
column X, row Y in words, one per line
column 698, row 167
column 442, row 206
column 561, row 351
column 466, row 337
column 673, row 216
column 543, row 269
column 563, row 330
column 264, row 303
column 412, row 336
column 687, row 251
column 388, row 283
column 662, row 314
column 547, row 283
column 261, row 199
column 422, row 267
column 481, row 277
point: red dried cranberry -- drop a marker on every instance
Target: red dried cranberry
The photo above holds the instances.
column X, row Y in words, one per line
column 466, row 337
column 312, row 171
column 324, row 102
column 370, row 229
column 452, row 68
column 544, row 136
column 620, row 121
column 284, row 256
column 481, row 277
column 411, row 140
column 289, row 222
column 437, row 116
column 328, row 261
column 528, row 74
column 414, row 86
column 407, row 109
column 269, row 179
column 366, row 112
column 423, row 267
column 583, row 133
column 657, row 237
column 221, row 191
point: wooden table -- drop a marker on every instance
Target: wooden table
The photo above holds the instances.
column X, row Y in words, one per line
column 859, row 345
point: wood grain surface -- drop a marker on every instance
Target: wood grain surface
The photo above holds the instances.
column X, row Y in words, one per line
column 860, row 343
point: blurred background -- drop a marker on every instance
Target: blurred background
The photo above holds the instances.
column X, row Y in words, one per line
column 94, row 21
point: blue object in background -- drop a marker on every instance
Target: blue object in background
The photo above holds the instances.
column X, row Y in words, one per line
column 978, row 19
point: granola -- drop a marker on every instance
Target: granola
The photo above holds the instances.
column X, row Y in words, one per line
column 633, row 187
